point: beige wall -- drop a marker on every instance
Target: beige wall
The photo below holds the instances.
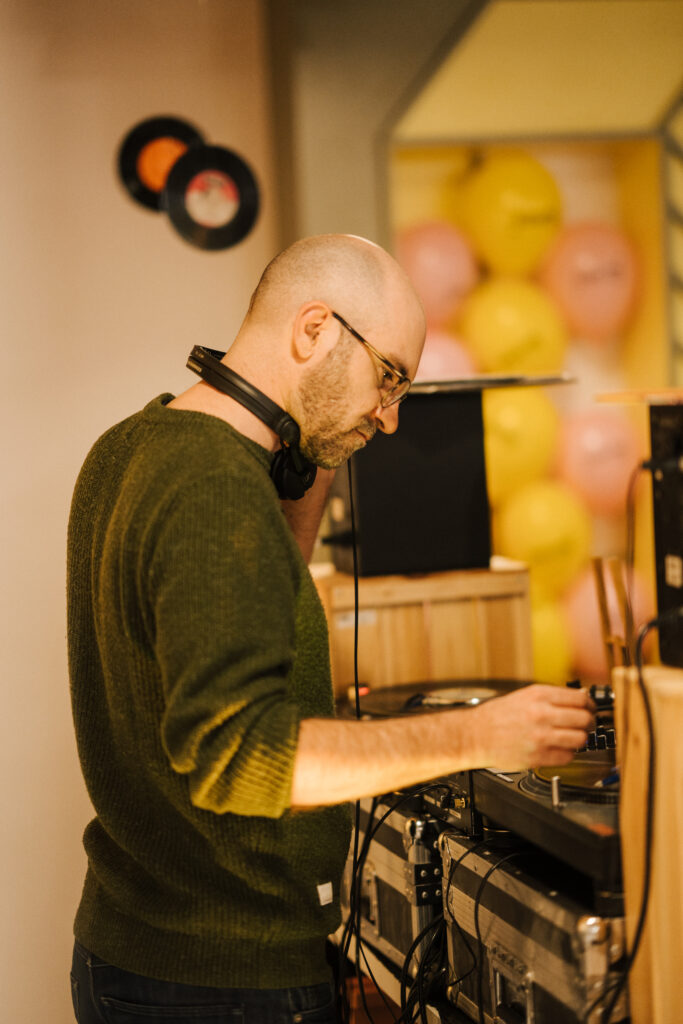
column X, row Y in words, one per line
column 100, row 302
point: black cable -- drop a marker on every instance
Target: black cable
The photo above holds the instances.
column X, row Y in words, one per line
column 397, row 1020
column 451, row 875
column 372, row 828
column 631, row 548
column 430, row 963
column 616, row 987
column 360, row 852
column 477, row 901
column 354, row 919
column 411, row 794
column 608, row 990
column 418, row 993
column 439, row 978
column 354, row 549
column 353, row 923
column 355, row 883
column 419, row 938
column 359, row 972
column 355, row 900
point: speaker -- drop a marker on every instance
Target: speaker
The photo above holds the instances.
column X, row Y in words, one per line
column 419, row 495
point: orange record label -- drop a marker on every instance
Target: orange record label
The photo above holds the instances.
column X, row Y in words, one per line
column 156, row 159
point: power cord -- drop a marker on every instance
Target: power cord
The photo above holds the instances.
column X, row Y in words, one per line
column 353, row 923
column 477, row 904
column 461, row 932
column 360, row 850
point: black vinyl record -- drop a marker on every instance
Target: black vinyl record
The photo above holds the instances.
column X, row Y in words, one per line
column 147, row 154
column 422, row 698
column 211, row 197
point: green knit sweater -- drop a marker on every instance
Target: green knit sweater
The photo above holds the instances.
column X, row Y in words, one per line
column 197, row 642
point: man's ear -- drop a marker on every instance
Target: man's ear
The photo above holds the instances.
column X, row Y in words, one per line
column 314, row 331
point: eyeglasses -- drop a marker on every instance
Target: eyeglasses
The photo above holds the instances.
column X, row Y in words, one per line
column 394, row 385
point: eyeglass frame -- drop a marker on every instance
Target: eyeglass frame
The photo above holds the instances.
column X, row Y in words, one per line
column 387, row 398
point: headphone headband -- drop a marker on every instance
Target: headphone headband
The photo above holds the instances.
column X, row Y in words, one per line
column 207, row 363
column 291, row 472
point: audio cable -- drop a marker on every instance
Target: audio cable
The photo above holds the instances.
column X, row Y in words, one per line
column 618, row 987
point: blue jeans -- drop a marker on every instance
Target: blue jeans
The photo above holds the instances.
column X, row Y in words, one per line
column 103, row 994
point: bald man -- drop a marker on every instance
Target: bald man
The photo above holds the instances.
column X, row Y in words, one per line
column 200, row 676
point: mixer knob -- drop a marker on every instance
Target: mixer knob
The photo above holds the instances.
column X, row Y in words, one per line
column 611, row 739
column 602, row 741
column 592, row 743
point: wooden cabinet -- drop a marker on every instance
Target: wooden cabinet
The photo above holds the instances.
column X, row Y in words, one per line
column 472, row 623
column 655, row 978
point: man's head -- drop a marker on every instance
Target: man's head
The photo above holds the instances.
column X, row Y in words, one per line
column 350, row 330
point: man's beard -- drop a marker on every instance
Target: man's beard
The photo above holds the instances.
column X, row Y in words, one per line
column 324, row 394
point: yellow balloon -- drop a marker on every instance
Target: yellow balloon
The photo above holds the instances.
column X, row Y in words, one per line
column 521, row 427
column 512, row 210
column 551, row 643
column 511, row 326
column 546, row 525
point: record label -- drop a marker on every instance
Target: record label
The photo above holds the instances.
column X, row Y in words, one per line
column 156, row 159
column 147, row 154
column 211, row 197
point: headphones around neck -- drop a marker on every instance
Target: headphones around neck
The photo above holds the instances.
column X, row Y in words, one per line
column 291, row 473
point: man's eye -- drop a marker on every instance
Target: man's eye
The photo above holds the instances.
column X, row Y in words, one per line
column 387, row 379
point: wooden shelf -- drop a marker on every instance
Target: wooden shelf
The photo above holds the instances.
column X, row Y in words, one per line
column 473, row 623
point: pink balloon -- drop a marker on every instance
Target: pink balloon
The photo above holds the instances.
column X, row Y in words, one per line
column 589, row 658
column 592, row 274
column 440, row 263
column 598, row 450
column 444, row 357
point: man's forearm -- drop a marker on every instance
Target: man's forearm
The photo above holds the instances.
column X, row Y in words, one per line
column 345, row 760
column 341, row 760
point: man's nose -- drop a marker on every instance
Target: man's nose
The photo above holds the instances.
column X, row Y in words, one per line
column 386, row 418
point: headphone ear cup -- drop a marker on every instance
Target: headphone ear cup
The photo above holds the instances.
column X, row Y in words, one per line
column 291, row 481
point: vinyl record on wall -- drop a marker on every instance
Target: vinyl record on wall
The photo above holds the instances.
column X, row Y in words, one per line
column 147, row 154
column 211, row 197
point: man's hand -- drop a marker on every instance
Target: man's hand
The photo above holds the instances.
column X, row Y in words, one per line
column 532, row 727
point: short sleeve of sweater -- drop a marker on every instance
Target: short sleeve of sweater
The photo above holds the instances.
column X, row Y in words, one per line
column 222, row 608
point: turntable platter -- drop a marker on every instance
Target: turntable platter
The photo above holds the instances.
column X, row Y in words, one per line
column 584, row 772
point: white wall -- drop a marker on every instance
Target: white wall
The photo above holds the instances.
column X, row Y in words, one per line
column 100, row 302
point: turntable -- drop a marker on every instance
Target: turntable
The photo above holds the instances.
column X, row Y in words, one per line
column 566, row 813
column 570, row 813
column 519, row 871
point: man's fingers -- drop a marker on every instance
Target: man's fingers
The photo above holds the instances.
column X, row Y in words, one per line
column 568, row 697
column 568, row 739
column 570, row 718
column 554, row 757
